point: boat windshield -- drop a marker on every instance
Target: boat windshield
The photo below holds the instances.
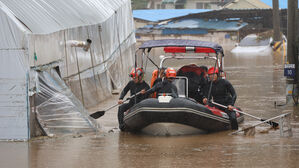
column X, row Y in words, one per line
column 254, row 41
column 181, row 82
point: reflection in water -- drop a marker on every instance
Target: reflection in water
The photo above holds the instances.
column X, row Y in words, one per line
column 258, row 81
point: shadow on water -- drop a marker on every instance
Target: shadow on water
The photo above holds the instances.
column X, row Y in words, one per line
column 259, row 82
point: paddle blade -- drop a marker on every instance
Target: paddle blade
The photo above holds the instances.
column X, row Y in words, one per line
column 97, row 114
column 272, row 123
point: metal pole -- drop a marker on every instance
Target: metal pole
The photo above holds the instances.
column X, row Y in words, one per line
column 276, row 21
column 296, row 49
column 292, row 58
column 291, row 31
column 80, row 82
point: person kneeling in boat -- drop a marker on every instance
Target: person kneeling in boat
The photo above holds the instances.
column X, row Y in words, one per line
column 166, row 86
column 136, row 85
column 223, row 93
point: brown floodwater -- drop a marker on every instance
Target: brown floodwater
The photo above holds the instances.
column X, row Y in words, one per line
column 259, row 83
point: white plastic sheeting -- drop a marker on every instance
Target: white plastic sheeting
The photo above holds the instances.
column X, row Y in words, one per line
column 47, row 16
column 14, row 70
column 12, row 32
column 34, row 33
column 13, row 96
column 57, row 109
column 110, row 55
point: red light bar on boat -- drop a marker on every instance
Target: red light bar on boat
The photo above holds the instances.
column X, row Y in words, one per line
column 204, row 50
column 188, row 49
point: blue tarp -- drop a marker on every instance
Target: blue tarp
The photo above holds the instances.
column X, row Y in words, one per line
column 164, row 14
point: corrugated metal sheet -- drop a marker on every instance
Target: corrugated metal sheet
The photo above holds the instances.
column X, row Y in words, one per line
column 203, row 24
column 43, row 17
column 164, row 14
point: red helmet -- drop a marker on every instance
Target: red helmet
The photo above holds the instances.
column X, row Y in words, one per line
column 170, row 73
column 213, row 70
column 137, row 73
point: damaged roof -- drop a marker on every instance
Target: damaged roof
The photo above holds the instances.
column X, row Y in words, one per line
column 194, row 23
column 156, row 15
column 206, row 24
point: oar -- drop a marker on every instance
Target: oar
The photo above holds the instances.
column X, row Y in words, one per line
column 253, row 126
column 272, row 123
column 99, row 114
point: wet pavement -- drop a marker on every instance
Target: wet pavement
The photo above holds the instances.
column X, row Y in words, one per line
column 259, row 83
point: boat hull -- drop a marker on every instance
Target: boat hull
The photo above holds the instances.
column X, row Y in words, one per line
column 180, row 111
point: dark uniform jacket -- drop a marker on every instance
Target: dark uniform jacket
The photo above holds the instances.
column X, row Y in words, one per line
column 223, row 92
column 135, row 88
column 202, row 89
column 165, row 87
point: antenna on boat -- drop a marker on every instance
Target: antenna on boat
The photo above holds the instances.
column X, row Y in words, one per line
column 147, row 56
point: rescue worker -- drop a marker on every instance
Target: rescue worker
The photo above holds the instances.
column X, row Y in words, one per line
column 137, row 84
column 223, row 93
column 203, row 88
column 166, row 86
column 157, row 76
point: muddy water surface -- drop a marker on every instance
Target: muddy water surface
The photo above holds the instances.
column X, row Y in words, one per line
column 259, row 82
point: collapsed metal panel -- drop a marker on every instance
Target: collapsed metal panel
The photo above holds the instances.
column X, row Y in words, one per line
column 57, row 109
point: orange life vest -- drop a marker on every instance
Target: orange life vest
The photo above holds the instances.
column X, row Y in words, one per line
column 154, row 77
